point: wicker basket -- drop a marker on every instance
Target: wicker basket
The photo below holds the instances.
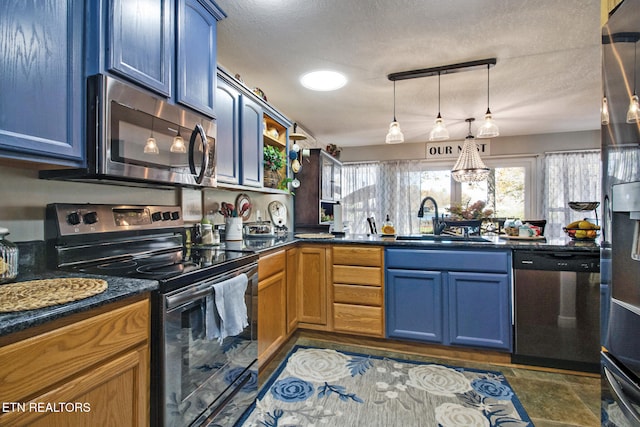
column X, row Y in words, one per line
column 511, row 231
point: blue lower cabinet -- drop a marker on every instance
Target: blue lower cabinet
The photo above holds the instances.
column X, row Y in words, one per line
column 437, row 305
column 414, row 305
column 479, row 310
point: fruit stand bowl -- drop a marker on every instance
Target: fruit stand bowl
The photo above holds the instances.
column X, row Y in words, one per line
column 581, row 234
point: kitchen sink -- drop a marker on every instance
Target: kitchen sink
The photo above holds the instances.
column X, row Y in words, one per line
column 441, row 238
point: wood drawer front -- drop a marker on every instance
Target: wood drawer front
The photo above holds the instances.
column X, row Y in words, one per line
column 31, row 365
column 357, row 255
column 271, row 264
column 357, row 318
column 368, row 276
column 354, row 294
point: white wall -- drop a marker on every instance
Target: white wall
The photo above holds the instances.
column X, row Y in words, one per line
column 23, row 198
column 513, row 145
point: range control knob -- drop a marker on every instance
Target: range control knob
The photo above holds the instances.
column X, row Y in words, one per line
column 166, row 216
column 156, row 216
column 90, row 217
column 175, row 215
column 73, row 218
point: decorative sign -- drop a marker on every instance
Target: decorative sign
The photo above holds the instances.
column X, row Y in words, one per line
column 452, row 149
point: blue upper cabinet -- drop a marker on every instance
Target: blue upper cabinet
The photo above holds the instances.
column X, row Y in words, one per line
column 196, row 67
column 41, row 83
column 141, row 42
column 161, row 45
column 228, row 142
column 251, row 142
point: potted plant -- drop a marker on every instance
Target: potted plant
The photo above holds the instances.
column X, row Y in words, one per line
column 274, row 161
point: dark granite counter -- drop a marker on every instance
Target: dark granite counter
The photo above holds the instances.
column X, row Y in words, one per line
column 495, row 242
column 32, row 268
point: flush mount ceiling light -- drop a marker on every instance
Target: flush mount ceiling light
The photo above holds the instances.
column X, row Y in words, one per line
column 439, row 131
column 323, row 80
column 469, row 167
column 395, row 135
column 489, row 129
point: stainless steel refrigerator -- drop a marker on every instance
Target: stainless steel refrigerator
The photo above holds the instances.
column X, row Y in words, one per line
column 620, row 256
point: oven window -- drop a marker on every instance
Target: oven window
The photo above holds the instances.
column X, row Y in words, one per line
column 193, row 362
column 131, row 133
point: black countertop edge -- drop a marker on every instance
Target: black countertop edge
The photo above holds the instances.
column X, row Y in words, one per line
column 263, row 246
column 118, row 288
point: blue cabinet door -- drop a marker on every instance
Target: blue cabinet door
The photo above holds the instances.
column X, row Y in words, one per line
column 227, row 142
column 140, row 42
column 251, row 142
column 41, row 83
column 196, row 66
column 479, row 310
column 413, row 302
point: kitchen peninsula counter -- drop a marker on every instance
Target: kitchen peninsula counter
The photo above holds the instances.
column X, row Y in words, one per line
column 495, row 242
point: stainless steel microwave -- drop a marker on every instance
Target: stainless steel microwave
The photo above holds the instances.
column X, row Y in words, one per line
column 135, row 137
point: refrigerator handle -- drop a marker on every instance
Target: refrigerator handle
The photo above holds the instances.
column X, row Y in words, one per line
column 606, row 216
column 625, row 405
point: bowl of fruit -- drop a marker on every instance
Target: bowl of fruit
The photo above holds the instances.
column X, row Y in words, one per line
column 582, row 230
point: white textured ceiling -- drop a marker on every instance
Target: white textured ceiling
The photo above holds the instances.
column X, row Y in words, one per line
column 547, row 77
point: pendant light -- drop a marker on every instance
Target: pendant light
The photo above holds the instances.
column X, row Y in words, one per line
column 489, row 129
column 469, row 167
column 633, row 113
column 439, row 132
column 151, row 147
column 395, row 135
column 177, row 146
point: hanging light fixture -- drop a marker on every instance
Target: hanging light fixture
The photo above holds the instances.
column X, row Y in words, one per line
column 489, row 129
column 439, row 132
column 395, row 135
column 469, row 167
column 151, row 147
column 177, row 146
column 604, row 112
column 633, row 113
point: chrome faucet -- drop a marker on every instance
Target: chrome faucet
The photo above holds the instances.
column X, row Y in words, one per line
column 438, row 226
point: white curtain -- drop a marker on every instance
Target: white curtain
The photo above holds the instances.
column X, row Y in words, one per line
column 380, row 189
column 569, row 177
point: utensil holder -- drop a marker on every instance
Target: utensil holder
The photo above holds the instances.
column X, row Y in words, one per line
column 233, row 229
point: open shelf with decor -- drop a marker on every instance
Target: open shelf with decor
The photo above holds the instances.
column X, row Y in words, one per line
column 275, row 152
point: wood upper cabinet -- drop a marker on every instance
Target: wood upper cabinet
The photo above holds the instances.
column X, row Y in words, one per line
column 358, row 290
column 100, row 362
column 272, row 294
column 42, row 84
column 312, row 279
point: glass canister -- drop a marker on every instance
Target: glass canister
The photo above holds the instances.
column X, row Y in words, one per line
column 8, row 258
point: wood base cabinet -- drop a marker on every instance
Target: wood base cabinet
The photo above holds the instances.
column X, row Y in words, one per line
column 312, row 277
column 358, row 290
column 272, row 282
column 89, row 372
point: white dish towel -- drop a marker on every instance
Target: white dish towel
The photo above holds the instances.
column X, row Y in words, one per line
column 226, row 308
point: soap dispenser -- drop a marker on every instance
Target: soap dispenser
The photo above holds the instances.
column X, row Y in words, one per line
column 387, row 227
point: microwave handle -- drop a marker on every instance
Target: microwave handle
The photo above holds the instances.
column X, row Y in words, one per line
column 198, row 130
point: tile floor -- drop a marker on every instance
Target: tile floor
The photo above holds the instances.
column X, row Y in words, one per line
column 550, row 399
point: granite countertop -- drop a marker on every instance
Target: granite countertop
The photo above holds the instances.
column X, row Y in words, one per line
column 118, row 288
column 495, row 242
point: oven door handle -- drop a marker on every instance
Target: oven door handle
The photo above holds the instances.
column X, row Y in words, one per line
column 199, row 130
column 195, row 293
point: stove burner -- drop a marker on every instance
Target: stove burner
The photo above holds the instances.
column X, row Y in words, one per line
column 164, row 268
column 118, row 265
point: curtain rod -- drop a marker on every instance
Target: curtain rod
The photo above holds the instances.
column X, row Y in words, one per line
column 591, row 150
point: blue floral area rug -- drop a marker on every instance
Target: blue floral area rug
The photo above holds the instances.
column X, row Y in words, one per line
column 316, row 387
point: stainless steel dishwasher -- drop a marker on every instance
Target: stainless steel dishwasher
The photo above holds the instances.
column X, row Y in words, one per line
column 557, row 309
